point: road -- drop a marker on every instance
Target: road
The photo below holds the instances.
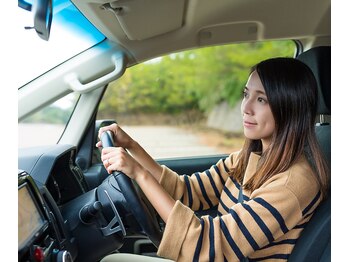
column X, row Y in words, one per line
column 159, row 141
column 163, row 141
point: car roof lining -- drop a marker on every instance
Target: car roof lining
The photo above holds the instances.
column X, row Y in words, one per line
column 190, row 26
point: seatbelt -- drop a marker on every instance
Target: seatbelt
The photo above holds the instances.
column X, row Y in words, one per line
column 241, row 200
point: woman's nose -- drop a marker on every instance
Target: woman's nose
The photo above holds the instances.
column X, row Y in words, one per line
column 246, row 107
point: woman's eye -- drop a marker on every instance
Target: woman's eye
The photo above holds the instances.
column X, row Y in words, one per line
column 262, row 100
column 245, row 94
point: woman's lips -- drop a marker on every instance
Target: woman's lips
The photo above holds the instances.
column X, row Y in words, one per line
column 249, row 124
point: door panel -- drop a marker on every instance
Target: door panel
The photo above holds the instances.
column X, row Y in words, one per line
column 190, row 165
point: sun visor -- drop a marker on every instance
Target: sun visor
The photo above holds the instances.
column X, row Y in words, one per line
column 140, row 20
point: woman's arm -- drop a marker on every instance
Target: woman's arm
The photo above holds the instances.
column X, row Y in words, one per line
column 199, row 191
column 156, row 194
column 142, row 157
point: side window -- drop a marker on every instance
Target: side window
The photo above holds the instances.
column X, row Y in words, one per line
column 188, row 103
column 46, row 126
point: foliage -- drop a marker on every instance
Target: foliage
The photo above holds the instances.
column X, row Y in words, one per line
column 56, row 113
column 190, row 80
column 51, row 114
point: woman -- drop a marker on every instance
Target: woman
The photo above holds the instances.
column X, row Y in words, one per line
column 265, row 193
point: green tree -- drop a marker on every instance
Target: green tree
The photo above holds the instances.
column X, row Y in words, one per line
column 190, row 80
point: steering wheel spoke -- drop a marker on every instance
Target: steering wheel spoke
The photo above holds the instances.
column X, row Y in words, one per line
column 111, row 228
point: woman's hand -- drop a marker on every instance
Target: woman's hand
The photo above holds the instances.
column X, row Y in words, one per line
column 120, row 137
column 138, row 154
column 117, row 159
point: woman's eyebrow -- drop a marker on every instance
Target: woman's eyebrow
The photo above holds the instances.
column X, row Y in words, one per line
column 257, row 91
column 260, row 92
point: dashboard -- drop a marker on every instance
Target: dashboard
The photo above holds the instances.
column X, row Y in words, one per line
column 55, row 168
column 40, row 236
column 59, row 217
column 47, row 179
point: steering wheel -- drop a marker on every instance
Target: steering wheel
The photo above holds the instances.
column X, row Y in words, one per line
column 139, row 209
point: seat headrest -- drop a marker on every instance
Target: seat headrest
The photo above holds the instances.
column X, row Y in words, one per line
column 319, row 61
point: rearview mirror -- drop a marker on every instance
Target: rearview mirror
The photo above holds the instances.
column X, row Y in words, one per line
column 42, row 13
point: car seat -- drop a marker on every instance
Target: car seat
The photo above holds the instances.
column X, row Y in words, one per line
column 314, row 243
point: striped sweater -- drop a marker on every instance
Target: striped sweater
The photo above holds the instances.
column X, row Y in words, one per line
column 264, row 227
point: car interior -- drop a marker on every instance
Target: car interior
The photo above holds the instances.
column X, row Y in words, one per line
column 69, row 208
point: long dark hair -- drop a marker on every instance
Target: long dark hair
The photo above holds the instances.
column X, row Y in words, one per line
column 291, row 90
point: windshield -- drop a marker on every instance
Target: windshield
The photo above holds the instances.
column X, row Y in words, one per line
column 71, row 33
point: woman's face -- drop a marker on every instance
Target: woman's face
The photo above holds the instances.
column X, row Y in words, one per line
column 258, row 120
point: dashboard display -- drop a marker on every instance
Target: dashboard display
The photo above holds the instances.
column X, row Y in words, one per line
column 30, row 220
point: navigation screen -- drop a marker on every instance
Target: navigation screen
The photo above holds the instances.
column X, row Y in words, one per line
column 29, row 217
